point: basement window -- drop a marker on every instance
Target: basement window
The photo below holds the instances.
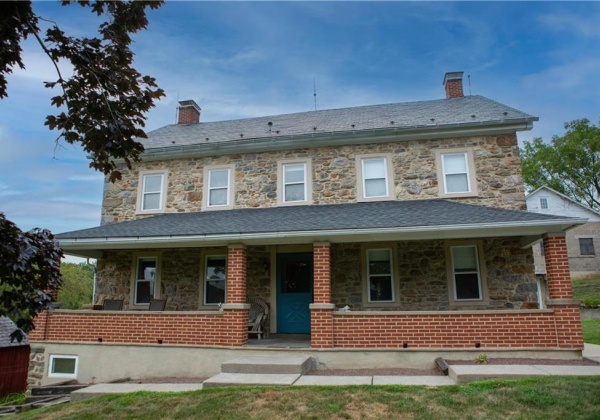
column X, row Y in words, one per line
column 63, row 366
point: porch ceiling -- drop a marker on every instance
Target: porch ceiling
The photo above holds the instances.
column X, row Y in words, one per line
column 354, row 222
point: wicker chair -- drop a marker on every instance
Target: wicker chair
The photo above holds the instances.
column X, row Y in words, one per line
column 259, row 309
column 157, row 305
column 112, row 305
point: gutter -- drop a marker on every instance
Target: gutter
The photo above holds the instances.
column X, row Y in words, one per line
column 336, row 138
column 334, row 235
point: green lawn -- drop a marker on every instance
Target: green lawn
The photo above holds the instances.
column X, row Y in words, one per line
column 537, row 398
column 591, row 330
column 588, row 288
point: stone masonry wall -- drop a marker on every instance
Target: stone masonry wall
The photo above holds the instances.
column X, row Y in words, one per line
column 496, row 158
column 421, row 271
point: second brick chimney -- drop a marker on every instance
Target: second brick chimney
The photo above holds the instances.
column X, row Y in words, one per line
column 188, row 112
column 453, row 84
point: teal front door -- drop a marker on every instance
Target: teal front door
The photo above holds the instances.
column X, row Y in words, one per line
column 294, row 292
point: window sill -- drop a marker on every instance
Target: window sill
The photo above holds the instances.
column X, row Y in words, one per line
column 367, row 199
column 459, row 195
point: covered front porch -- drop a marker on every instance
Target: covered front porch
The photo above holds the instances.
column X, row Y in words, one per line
column 418, row 275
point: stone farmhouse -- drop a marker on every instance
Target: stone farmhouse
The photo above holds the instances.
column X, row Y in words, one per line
column 381, row 234
column 582, row 241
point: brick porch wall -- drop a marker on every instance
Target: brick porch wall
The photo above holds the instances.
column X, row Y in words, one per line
column 506, row 329
column 321, row 312
column 141, row 328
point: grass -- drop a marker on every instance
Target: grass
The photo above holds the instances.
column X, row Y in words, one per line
column 586, row 288
column 591, row 330
column 13, row 399
column 535, row 398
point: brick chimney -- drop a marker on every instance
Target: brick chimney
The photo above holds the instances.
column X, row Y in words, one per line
column 188, row 112
column 453, row 84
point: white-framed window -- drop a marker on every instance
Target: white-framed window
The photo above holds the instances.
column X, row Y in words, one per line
column 145, row 280
column 63, row 366
column 152, row 191
column 456, row 173
column 218, row 187
column 466, row 274
column 374, row 177
column 380, row 275
column 294, row 182
column 215, row 279
column 544, row 203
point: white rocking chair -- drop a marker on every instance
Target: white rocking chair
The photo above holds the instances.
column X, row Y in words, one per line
column 259, row 309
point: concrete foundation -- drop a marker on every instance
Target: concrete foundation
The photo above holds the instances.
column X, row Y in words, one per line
column 101, row 362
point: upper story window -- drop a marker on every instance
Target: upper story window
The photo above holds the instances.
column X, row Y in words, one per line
column 544, row 203
column 466, row 274
column 218, row 187
column 374, row 177
column 294, row 182
column 586, row 246
column 152, row 192
column 456, row 173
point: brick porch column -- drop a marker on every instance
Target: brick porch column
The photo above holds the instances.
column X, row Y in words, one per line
column 236, row 308
column 560, row 291
column 321, row 311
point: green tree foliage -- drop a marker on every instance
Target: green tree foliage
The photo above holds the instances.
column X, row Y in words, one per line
column 570, row 164
column 102, row 105
column 29, row 272
column 77, row 285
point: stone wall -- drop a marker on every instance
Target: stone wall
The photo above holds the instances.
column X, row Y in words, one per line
column 37, row 363
column 334, row 180
column 422, row 272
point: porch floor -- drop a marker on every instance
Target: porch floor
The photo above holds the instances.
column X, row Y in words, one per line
column 296, row 341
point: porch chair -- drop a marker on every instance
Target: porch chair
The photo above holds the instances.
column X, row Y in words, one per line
column 157, row 305
column 259, row 309
column 112, row 305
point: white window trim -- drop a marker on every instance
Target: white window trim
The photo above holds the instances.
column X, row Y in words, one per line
column 163, row 192
column 62, row 375
column 541, row 203
column 389, row 177
column 307, row 182
column 203, row 263
column 483, row 288
column 367, row 303
column 230, row 187
column 157, row 282
column 471, row 176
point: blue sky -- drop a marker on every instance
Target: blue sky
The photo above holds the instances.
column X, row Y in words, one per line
column 250, row 59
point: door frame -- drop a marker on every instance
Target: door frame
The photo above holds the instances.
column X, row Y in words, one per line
column 274, row 250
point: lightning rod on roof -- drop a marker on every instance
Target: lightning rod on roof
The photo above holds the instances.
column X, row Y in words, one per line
column 315, row 92
column 469, row 80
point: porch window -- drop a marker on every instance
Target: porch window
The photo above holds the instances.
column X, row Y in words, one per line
column 151, row 193
column 456, row 172
column 145, row 280
column 586, row 246
column 215, row 279
column 380, row 275
column 294, row 182
column 466, row 273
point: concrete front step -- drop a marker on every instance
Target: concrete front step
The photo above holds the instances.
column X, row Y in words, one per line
column 461, row 374
column 240, row 379
column 269, row 365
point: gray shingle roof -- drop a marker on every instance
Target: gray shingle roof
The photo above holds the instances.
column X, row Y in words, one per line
column 6, row 329
column 374, row 215
column 408, row 115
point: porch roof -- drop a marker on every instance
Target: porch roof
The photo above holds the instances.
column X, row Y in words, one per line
column 353, row 222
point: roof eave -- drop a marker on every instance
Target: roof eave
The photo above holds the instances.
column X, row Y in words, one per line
column 92, row 247
column 338, row 138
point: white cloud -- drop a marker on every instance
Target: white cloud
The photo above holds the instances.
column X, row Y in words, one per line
column 586, row 25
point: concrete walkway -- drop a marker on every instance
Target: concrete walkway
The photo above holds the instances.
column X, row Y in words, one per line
column 458, row 374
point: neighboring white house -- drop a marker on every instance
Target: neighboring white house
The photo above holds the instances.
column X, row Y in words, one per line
column 583, row 242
